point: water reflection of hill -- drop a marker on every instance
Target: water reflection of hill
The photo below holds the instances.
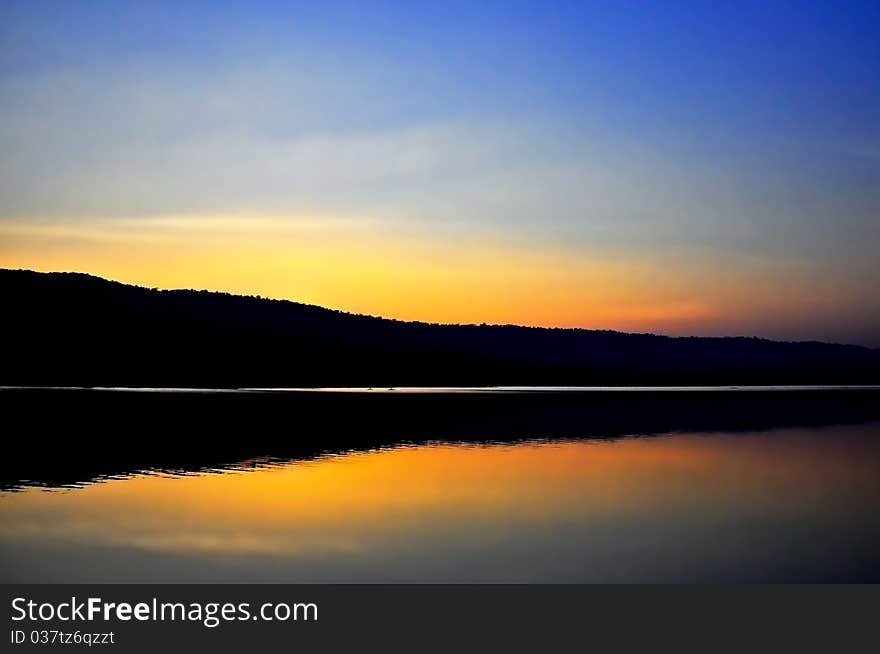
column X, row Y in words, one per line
column 69, row 437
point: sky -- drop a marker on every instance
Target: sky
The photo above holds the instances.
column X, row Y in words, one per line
column 680, row 167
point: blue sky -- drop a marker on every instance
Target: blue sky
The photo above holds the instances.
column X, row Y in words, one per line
column 733, row 142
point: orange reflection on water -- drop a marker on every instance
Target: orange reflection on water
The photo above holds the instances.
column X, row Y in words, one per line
column 452, row 493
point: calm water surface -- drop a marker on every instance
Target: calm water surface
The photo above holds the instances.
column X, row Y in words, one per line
column 784, row 505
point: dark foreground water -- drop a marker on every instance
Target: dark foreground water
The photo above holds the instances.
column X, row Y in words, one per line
column 793, row 502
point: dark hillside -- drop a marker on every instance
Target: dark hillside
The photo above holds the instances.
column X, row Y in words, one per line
column 77, row 329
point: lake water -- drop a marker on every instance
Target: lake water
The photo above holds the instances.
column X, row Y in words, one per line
column 783, row 504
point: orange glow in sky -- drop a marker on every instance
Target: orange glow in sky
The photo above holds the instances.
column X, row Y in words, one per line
column 382, row 269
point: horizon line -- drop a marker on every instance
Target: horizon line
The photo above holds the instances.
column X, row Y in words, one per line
column 423, row 322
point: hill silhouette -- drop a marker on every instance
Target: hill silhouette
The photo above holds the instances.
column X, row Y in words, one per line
column 82, row 330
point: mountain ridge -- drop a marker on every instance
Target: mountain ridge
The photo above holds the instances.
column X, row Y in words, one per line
column 80, row 327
